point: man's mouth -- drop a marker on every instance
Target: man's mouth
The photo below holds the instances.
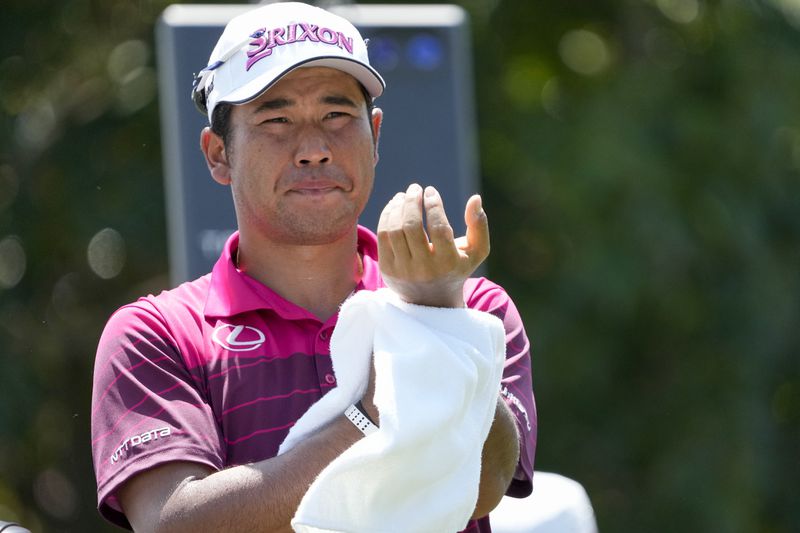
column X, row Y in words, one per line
column 315, row 186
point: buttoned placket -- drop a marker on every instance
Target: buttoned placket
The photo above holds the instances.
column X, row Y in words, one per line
column 324, row 366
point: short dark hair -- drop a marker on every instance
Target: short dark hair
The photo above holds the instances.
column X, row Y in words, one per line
column 221, row 122
column 221, row 118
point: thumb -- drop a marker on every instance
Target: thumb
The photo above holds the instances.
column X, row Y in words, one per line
column 477, row 240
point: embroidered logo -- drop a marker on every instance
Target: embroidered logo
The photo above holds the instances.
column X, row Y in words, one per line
column 238, row 338
column 264, row 41
column 138, row 440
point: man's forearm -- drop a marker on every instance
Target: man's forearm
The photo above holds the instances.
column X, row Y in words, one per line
column 260, row 496
column 498, row 460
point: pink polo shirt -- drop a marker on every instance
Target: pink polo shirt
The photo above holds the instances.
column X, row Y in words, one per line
column 218, row 369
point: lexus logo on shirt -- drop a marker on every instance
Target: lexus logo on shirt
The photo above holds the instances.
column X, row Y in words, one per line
column 238, row 338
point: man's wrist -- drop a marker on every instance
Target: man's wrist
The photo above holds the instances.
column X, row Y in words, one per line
column 434, row 294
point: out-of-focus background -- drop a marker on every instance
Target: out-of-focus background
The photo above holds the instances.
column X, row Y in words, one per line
column 640, row 164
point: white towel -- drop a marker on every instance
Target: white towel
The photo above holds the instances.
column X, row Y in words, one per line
column 437, row 379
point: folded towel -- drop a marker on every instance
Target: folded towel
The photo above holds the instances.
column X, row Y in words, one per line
column 437, row 377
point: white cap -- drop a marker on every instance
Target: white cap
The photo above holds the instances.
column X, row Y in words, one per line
column 261, row 46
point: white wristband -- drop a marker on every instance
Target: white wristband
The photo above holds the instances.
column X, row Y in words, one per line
column 360, row 419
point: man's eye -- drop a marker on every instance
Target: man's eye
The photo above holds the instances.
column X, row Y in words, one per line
column 337, row 114
column 276, row 120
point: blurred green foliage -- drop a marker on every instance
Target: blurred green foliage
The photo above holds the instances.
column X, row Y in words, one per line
column 641, row 172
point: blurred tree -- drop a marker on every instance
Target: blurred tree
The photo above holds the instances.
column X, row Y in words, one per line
column 646, row 196
column 81, row 195
column 641, row 166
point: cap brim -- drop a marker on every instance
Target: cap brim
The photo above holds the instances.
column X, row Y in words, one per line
column 366, row 75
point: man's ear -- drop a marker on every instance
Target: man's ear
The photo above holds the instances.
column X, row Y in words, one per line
column 377, row 120
column 216, row 157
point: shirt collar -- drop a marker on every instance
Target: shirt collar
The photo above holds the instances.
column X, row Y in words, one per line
column 232, row 292
column 368, row 250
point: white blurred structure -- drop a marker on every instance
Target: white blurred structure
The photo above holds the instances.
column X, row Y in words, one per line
column 556, row 505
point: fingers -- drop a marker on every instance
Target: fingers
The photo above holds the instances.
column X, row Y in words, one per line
column 439, row 230
column 477, row 241
column 400, row 228
column 403, row 236
column 416, row 239
column 385, row 251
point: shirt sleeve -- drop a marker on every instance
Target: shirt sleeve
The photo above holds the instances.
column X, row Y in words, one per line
column 148, row 408
column 516, row 386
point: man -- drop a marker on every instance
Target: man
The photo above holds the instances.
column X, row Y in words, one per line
column 196, row 388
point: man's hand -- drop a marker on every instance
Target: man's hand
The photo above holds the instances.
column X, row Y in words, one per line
column 429, row 267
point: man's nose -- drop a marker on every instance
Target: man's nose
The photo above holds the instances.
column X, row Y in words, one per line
column 313, row 149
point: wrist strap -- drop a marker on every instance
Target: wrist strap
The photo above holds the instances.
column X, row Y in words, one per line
column 360, row 407
column 355, row 413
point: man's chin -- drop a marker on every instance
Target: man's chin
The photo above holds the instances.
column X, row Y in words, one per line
column 318, row 232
